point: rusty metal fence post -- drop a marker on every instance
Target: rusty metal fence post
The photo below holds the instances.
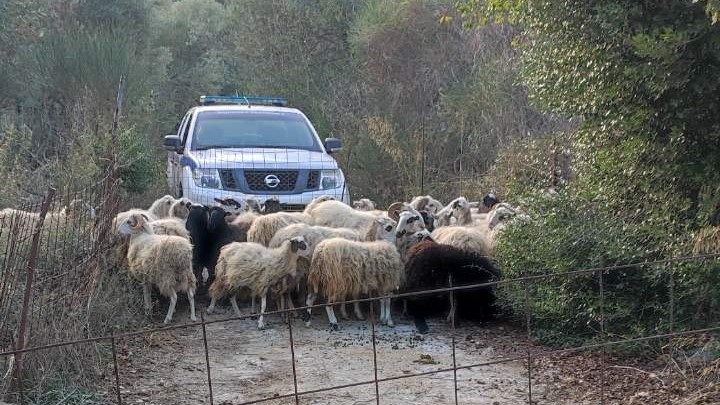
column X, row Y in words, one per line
column 116, row 369
column 292, row 357
column 30, row 278
column 453, row 309
column 207, row 357
column 375, row 367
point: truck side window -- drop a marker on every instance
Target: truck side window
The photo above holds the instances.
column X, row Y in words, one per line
column 186, row 130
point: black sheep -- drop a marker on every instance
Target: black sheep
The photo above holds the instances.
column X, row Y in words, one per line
column 430, row 265
column 197, row 226
column 220, row 233
column 271, row 206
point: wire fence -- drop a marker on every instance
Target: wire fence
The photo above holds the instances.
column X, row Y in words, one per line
column 49, row 319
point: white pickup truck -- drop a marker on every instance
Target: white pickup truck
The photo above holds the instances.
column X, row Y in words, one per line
column 252, row 147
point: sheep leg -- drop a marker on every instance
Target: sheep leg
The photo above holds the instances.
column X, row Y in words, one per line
column 171, row 308
column 388, row 313
column 252, row 305
column 451, row 315
column 290, row 303
column 191, row 300
column 382, row 312
column 233, row 302
column 405, row 309
column 343, row 312
column 309, row 301
column 358, row 311
column 211, row 308
column 147, row 291
column 331, row 317
column 263, row 305
column 281, row 306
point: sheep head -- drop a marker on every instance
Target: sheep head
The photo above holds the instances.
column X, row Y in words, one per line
column 429, row 220
column 426, row 203
column 272, row 205
column 420, row 236
column 409, row 223
column 181, row 208
column 383, row 229
column 490, row 200
column 499, row 213
column 364, row 204
column 135, row 224
column 217, row 218
column 299, row 245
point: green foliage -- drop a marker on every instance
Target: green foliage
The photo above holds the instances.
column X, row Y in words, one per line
column 643, row 79
column 139, row 166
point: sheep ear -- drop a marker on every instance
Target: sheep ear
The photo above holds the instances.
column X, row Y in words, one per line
column 219, row 200
column 145, row 216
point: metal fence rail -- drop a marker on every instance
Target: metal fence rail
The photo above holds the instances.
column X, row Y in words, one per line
column 529, row 357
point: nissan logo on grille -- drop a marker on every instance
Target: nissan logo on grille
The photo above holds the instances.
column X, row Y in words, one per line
column 272, row 181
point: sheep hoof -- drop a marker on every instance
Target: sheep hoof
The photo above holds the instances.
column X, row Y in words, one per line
column 334, row 327
column 193, row 318
column 306, row 318
column 167, row 321
column 390, row 324
column 307, row 324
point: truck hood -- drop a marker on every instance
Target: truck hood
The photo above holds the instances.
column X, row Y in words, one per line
column 262, row 158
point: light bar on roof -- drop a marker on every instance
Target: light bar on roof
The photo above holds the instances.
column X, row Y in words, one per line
column 244, row 100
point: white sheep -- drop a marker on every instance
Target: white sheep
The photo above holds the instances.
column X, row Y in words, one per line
column 426, row 203
column 457, row 212
column 29, row 220
column 465, row 238
column 123, row 216
column 161, row 207
column 364, row 204
column 316, row 202
column 160, row 260
column 255, row 267
column 313, row 235
column 180, row 209
column 342, row 268
column 170, row 226
column 263, row 228
column 408, row 224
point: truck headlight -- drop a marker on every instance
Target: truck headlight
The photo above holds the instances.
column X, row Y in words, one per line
column 331, row 179
column 207, row 178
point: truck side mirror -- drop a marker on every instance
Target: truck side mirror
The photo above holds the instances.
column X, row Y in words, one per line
column 172, row 143
column 333, row 145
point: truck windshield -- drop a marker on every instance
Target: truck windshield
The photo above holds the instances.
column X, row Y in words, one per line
column 253, row 129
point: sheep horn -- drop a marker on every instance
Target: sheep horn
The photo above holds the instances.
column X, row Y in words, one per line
column 394, row 210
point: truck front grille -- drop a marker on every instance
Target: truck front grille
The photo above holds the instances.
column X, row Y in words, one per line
column 256, row 180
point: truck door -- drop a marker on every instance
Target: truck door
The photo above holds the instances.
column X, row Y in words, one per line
column 174, row 171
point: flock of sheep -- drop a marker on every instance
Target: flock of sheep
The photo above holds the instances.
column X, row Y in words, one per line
column 330, row 250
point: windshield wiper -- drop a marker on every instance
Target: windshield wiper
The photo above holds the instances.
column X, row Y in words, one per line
column 206, row 147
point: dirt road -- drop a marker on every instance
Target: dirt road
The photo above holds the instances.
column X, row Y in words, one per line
column 249, row 364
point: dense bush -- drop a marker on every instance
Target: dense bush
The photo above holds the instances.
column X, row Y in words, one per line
column 642, row 80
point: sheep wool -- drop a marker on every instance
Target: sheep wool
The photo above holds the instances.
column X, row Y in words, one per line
column 342, row 268
column 468, row 239
column 264, row 228
column 161, row 260
column 255, row 267
column 161, row 207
